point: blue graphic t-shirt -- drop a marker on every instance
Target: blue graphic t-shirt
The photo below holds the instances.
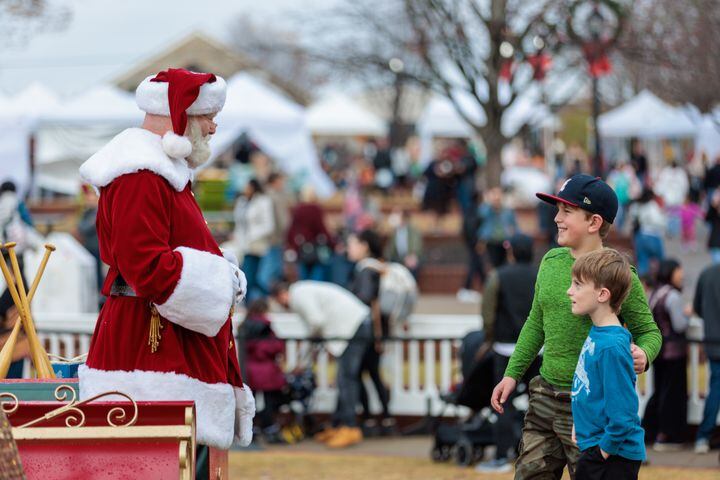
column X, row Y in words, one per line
column 604, row 401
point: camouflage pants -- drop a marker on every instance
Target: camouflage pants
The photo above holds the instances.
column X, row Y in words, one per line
column 546, row 445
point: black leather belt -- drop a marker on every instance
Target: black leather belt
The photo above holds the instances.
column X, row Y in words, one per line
column 120, row 288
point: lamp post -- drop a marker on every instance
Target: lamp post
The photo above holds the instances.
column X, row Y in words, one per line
column 396, row 134
column 596, row 23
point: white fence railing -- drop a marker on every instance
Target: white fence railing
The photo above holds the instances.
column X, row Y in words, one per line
column 419, row 364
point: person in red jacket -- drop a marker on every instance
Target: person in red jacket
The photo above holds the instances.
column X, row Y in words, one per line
column 263, row 372
column 165, row 331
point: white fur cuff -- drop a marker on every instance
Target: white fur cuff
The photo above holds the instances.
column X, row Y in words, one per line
column 214, row 403
column 244, row 413
column 203, row 296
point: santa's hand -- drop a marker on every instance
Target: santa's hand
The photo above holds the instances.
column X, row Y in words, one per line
column 239, row 283
column 244, row 413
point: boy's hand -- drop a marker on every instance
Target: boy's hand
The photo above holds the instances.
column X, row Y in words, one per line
column 501, row 393
column 639, row 358
column 604, row 454
column 572, row 435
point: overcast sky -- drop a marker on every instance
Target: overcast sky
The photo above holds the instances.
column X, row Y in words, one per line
column 104, row 38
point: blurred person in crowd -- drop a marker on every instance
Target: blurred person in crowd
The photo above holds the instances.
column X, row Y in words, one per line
column 401, row 163
column 497, row 224
column 639, row 161
column 341, row 267
column 87, row 233
column 465, row 169
column 665, row 419
column 263, row 354
column 706, row 305
column 690, row 213
column 270, row 270
column 673, row 187
column 309, row 239
column 623, row 179
column 332, row 312
column 365, row 284
column 405, row 244
column 254, row 228
column 507, row 300
column 382, row 163
column 648, row 225
column 440, row 185
column 476, row 266
column 712, row 217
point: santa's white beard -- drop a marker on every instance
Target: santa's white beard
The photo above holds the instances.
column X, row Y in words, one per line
column 200, row 146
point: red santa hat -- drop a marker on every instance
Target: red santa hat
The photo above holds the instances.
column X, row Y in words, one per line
column 177, row 93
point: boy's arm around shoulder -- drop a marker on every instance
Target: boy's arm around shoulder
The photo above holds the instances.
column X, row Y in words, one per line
column 638, row 317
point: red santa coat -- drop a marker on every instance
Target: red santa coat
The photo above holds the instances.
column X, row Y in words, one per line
column 153, row 234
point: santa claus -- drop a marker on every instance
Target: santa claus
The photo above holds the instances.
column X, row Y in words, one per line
column 165, row 331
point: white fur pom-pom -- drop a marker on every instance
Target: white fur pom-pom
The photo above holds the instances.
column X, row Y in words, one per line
column 176, row 146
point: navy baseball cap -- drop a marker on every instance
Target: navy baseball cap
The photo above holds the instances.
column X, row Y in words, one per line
column 586, row 192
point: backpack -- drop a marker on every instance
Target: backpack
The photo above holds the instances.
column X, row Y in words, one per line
column 398, row 289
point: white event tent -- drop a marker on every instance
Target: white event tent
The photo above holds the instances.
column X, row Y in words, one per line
column 275, row 123
column 77, row 128
column 339, row 116
column 440, row 119
column 19, row 116
column 707, row 140
column 67, row 133
column 648, row 117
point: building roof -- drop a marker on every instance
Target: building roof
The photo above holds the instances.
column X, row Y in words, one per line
column 200, row 52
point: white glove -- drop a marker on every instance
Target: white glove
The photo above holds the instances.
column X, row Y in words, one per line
column 244, row 413
column 239, row 283
column 238, row 277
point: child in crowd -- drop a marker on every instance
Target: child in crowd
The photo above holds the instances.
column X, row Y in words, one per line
column 690, row 213
column 606, row 424
column 586, row 209
column 262, row 361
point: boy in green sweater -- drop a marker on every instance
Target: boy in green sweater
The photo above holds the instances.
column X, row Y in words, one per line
column 586, row 209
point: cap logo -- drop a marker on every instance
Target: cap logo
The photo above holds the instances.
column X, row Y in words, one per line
column 565, row 184
column 587, row 201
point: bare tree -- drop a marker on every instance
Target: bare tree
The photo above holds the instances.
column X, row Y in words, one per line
column 671, row 47
column 21, row 19
column 280, row 54
column 490, row 52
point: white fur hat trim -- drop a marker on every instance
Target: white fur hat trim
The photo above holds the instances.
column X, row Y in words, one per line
column 152, row 97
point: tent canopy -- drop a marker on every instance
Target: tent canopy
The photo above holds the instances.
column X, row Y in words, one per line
column 31, row 103
column 68, row 133
column 103, row 104
column 275, row 123
column 646, row 116
column 441, row 119
column 339, row 115
column 707, row 140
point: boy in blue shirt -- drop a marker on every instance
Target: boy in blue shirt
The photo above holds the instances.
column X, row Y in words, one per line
column 604, row 402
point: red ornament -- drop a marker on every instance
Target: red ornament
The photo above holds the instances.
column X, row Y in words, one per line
column 540, row 64
column 507, row 69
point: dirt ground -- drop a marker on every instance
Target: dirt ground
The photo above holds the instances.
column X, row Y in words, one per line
column 273, row 465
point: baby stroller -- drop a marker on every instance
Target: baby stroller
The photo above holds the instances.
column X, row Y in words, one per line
column 301, row 386
column 465, row 441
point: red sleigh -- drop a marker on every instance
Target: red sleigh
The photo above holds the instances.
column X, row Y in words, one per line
column 103, row 438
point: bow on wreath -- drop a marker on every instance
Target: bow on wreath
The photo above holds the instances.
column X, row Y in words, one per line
column 596, row 54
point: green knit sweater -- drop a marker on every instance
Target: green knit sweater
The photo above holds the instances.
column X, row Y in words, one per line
column 551, row 323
